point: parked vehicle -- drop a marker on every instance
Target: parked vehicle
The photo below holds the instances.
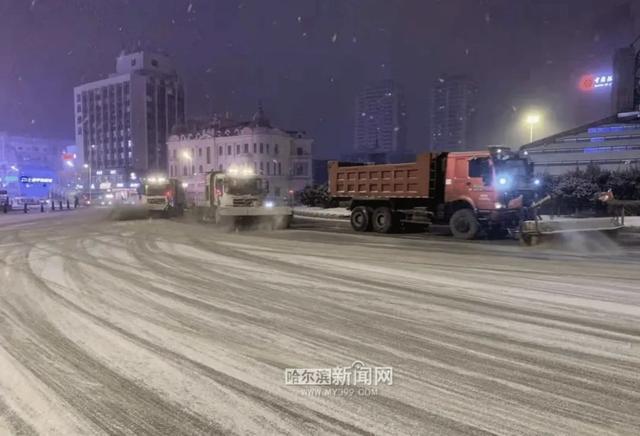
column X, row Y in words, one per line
column 473, row 192
column 239, row 195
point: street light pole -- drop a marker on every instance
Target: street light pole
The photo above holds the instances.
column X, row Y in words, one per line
column 90, row 163
column 530, row 133
column 531, row 120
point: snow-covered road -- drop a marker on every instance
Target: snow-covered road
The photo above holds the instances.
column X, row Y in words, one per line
column 167, row 328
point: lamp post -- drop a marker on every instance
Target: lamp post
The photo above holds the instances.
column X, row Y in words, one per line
column 89, row 166
column 532, row 120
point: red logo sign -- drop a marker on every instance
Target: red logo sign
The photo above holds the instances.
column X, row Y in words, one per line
column 587, row 82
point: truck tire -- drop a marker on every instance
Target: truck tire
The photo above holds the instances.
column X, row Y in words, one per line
column 529, row 240
column 360, row 219
column 464, row 225
column 382, row 220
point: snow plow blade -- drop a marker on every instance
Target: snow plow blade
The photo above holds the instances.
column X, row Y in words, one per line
column 255, row 211
column 532, row 230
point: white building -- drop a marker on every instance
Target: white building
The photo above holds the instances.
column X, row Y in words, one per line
column 282, row 157
column 123, row 121
column 380, row 119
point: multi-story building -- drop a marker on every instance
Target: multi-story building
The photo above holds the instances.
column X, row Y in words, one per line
column 380, row 125
column 123, row 122
column 31, row 166
column 283, row 157
column 610, row 144
column 453, row 112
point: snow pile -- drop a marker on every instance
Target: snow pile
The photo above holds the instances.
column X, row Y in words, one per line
column 318, row 212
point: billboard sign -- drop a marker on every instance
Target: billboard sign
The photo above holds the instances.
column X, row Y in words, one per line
column 592, row 82
column 33, row 180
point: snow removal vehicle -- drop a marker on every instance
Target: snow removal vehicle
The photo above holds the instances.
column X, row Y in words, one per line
column 164, row 197
column 480, row 192
column 238, row 196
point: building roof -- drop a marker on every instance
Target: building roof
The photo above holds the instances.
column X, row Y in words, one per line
column 218, row 126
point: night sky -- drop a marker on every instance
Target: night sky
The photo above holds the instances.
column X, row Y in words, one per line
column 307, row 59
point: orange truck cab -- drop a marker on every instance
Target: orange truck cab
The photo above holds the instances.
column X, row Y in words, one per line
column 472, row 192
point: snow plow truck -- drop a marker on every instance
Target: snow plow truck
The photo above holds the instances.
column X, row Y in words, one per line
column 484, row 192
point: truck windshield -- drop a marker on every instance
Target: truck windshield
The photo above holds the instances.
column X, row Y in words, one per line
column 243, row 186
column 157, row 190
column 513, row 169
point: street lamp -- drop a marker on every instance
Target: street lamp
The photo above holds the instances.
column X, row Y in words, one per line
column 90, row 163
column 532, row 120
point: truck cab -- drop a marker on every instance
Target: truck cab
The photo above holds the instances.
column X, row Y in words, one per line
column 235, row 190
column 486, row 181
column 486, row 190
column 239, row 194
column 164, row 196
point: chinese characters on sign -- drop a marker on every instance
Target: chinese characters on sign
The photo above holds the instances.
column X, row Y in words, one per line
column 358, row 374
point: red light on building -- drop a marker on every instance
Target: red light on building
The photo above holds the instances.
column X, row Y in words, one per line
column 68, row 156
column 587, row 83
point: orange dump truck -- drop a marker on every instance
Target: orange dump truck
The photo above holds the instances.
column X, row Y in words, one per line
column 473, row 192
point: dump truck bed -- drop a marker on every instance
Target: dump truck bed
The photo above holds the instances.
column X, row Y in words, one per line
column 404, row 180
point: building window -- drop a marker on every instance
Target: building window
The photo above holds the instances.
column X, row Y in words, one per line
column 300, row 151
column 208, row 155
column 255, row 147
column 184, row 170
column 237, row 148
column 193, row 169
column 246, row 148
column 229, row 150
column 279, row 168
column 133, row 62
column 220, row 151
column 174, row 153
column 200, row 169
column 261, row 148
column 267, row 148
column 220, row 167
column 268, row 168
column 199, row 151
column 276, row 191
column 261, row 168
column 154, row 63
column 275, row 149
column 300, row 169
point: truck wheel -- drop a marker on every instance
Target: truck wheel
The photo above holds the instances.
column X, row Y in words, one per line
column 382, row 221
column 529, row 240
column 464, row 225
column 360, row 219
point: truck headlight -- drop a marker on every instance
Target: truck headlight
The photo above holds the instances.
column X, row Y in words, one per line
column 498, row 205
column 268, row 204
